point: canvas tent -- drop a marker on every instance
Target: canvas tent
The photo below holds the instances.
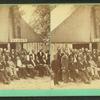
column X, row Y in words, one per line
column 79, row 30
column 78, row 27
column 10, row 22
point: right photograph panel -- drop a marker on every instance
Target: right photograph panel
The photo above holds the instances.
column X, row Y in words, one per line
column 75, row 46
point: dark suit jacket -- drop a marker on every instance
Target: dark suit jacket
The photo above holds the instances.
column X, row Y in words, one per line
column 54, row 66
column 40, row 57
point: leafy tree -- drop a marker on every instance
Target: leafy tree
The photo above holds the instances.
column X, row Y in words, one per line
column 41, row 20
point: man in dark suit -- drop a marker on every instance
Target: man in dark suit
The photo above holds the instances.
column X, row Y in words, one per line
column 31, row 66
column 72, row 66
column 59, row 56
column 55, row 69
column 48, row 57
column 40, row 55
column 42, row 61
column 64, row 63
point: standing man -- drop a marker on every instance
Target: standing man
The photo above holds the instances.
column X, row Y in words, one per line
column 55, row 69
column 64, row 63
column 59, row 55
column 41, row 56
column 72, row 66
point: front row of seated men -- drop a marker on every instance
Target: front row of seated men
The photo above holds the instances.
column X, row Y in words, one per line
column 17, row 65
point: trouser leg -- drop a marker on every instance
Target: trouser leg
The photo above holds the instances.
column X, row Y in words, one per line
column 15, row 73
column 24, row 72
column 60, row 75
column 87, row 75
column 4, row 78
column 65, row 76
column 10, row 73
column 73, row 75
column 56, row 79
column 41, row 71
column 83, row 77
column 96, row 73
column 19, row 73
column 31, row 71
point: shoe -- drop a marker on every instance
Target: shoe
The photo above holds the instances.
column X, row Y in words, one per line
column 6, row 82
column 17, row 78
column 56, row 83
column 87, row 82
column 25, row 77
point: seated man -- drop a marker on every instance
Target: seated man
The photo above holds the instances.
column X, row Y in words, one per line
column 41, row 65
column 64, row 63
column 3, row 73
column 31, row 66
column 11, row 69
column 93, row 68
column 98, row 65
column 45, row 66
column 82, row 70
column 72, row 67
column 55, row 69
column 21, row 64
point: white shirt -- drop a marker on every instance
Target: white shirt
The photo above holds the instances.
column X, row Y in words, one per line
column 19, row 63
column 28, row 58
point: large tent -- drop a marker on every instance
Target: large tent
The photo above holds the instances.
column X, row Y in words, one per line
column 34, row 41
column 8, row 28
column 77, row 28
column 10, row 22
column 5, row 26
column 28, row 33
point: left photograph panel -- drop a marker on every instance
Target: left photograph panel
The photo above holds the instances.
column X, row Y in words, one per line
column 24, row 47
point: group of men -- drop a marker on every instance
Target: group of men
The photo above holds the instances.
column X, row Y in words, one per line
column 76, row 65
column 15, row 64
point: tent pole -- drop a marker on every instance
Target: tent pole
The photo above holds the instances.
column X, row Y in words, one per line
column 8, row 46
column 90, row 45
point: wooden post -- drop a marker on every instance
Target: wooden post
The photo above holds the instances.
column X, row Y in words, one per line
column 90, row 46
column 8, row 46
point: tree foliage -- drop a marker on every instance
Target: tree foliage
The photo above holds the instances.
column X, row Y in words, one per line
column 41, row 20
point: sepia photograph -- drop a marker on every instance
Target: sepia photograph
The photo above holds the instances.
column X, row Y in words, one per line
column 24, row 46
column 49, row 46
column 75, row 46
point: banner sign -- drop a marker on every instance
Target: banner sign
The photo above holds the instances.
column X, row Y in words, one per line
column 18, row 40
column 96, row 40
